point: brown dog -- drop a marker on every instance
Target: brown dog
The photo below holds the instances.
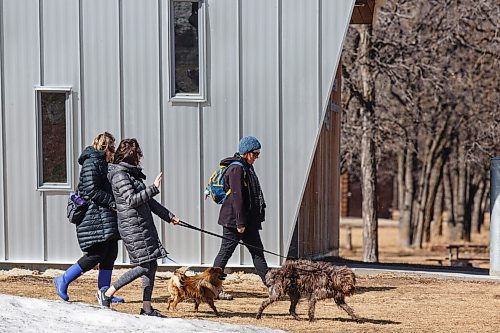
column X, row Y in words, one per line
column 203, row 287
column 314, row 280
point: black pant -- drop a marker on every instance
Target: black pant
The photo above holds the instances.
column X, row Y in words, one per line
column 104, row 254
column 250, row 237
column 147, row 270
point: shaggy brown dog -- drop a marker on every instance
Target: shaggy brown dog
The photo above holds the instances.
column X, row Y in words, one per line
column 314, row 280
column 202, row 288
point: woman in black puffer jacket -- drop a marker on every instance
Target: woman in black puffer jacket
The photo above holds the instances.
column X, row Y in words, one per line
column 135, row 205
column 98, row 232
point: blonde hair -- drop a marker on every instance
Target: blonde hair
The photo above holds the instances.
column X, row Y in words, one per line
column 103, row 141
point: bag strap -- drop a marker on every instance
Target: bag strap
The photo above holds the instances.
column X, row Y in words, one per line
column 240, row 164
column 237, row 163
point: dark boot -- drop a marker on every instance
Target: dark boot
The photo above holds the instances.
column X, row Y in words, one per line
column 152, row 313
column 104, row 280
column 61, row 282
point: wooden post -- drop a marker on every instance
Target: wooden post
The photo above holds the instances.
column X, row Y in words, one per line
column 348, row 237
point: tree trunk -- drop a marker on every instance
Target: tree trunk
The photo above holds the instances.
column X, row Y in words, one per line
column 485, row 202
column 434, row 181
column 459, row 231
column 405, row 235
column 401, row 181
column 437, row 214
column 368, row 160
column 434, row 152
column 476, row 206
column 448, row 198
column 418, row 202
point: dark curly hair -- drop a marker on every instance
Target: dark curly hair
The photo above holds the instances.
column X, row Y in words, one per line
column 128, row 151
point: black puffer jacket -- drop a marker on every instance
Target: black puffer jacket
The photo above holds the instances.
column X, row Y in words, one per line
column 134, row 204
column 100, row 223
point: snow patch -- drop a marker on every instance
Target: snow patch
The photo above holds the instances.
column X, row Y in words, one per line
column 22, row 314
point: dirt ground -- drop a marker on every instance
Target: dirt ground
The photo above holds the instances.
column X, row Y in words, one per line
column 430, row 254
column 386, row 302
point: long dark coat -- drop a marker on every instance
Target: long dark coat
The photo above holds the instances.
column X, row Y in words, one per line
column 237, row 210
column 134, row 205
column 100, row 223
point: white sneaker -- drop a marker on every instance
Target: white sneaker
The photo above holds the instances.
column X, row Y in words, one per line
column 225, row 296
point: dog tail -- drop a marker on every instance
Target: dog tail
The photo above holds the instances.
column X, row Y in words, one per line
column 178, row 276
column 344, row 280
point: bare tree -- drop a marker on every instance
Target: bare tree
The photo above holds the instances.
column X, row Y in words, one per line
column 433, row 65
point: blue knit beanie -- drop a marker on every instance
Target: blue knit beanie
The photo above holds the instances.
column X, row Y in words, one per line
column 248, row 144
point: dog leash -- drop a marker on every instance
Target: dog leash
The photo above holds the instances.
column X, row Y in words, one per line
column 172, row 260
column 190, row 226
column 240, row 242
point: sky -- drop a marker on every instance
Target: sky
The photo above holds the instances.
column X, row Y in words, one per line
column 26, row 315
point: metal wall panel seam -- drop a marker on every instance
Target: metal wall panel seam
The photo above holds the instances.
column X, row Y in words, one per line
column 40, row 32
column 42, row 62
column 120, row 61
column 280, row 126
column 320, row 222
column 240, row 92
column 81, row 112
column 122, row 111
column 160, row 107
column 3, row 203
column 320, row 52
column 202, row 183
column 240, row 69
column 44, row 227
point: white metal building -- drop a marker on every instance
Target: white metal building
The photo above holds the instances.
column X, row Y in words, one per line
column 186, row 78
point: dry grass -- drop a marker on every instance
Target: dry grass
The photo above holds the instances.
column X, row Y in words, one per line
column 390, row 252
column 388, row 303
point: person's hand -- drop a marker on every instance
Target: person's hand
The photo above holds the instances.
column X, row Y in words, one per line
column 157, row 181
column 175, row 220
column 241, row 229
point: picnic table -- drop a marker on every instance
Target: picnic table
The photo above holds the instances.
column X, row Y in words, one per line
column 457, row 247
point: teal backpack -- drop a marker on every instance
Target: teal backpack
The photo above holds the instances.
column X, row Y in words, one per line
column 215, row 187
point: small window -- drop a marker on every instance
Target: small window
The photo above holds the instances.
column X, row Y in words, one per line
column 187, row 50
column 53, row 112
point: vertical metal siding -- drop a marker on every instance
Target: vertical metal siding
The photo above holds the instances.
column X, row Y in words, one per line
column 259, row 102
column 335, row 21
column 300, row 103
column 61, row 67
column 221, row 118
column 182, row 183
column 181, row 163
column 270, row 66
column 101, row 67
column 141, row 92
column 62, row 245
column 3, row 237
column 21, row 73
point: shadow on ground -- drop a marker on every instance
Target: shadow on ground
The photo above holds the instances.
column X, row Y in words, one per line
column 406, row 267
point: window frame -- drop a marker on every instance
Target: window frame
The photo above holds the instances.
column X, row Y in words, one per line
column 201, row 96
column 49, row 186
